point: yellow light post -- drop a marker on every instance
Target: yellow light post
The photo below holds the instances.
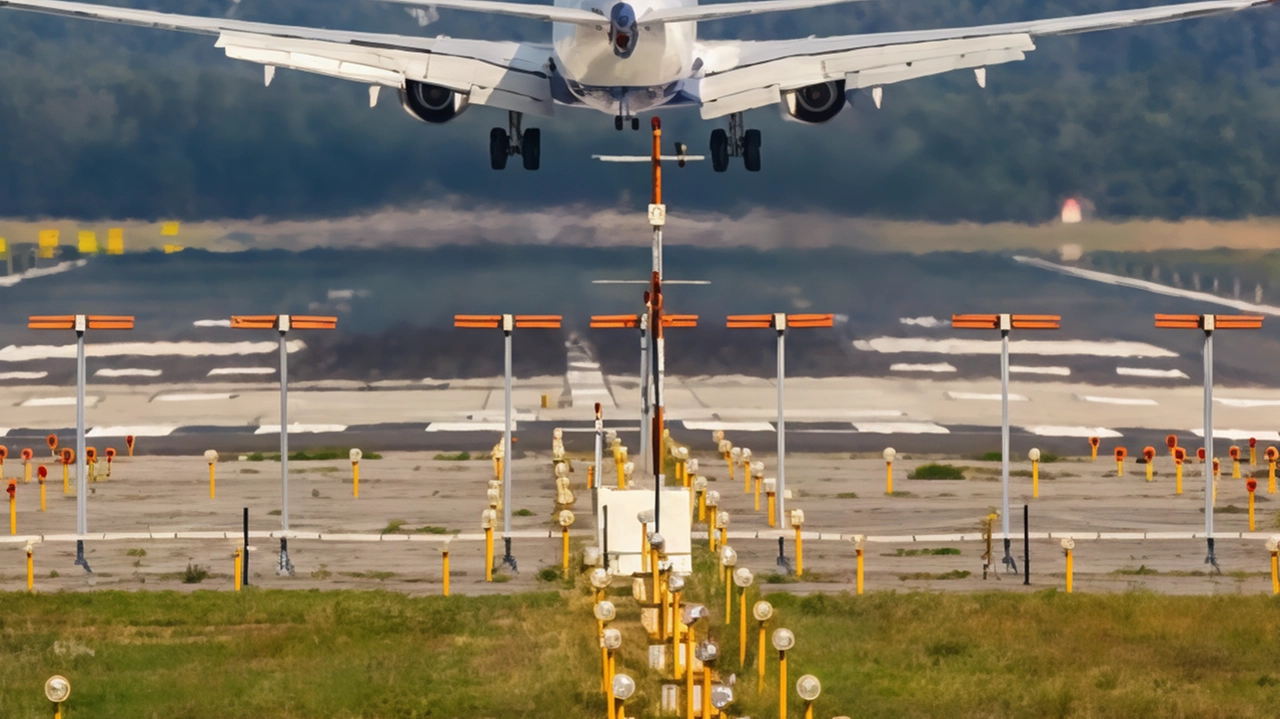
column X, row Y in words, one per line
column 110, row 454
column 1234, row 452
column 707, row 652
column 211, row 457
column 444, row 560
column 797, row 521
column 628, row 469
column 734, row 456
column 700, row 490
column 67, row 456
column 623, row 687
column 656, row 545
column 771, row 492
column 1034, row 456
column 859, row 543
column 1217, row 474
column 743, row 578
column 57, row 690
column 757, row 470
column 488, row 518
column 42, row 472
column 690, row 616
column 725, row 448
column 12, row 489
column 355, row 455
column 722, row 523
column 889, row 453
column 763, row 612
column 604, row 612
column 31, row 566
column 1149, row 457
column 610, row 641
column 682, row 465
column 91, row 460
column 238, row 559
column 675, row 585
column 1093, row 448
column 745, row 458
column 128, row 443
column 497, row 453
column 784, row 641
column 1068, row 545
column 1252, row 486
column 1120, row 454
column 566, row 519
column 1272, row 454
column 728, row 560
column 808, row 687
column 1179, row 457
column 1253, row 451
column 27, row 454
column 645, row 518
column 712, row 498
column 1273, row 546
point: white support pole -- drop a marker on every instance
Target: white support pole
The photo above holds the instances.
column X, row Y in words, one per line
column 645, row 390
column 1006, row 323
column 780, row 324
column 1208, row 438
column 508, row 325
column 599, row 444
column 82, row 474
column 283, row 328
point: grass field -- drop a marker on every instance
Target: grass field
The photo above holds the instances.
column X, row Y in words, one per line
column 377, row 654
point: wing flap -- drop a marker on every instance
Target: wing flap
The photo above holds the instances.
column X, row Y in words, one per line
column 741, row 102
column 900, row 73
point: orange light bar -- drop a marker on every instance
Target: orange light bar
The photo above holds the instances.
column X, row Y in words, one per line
column 546, row 322
column 811, row 320
column 270, row 322
column 68, row 322
column 739, row 322
column 679, row 320
column 492, row 322
column 991, row 322
column 1221, row 322
column 615, row 321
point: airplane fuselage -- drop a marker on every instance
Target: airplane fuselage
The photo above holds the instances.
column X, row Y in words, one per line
column 604, row 75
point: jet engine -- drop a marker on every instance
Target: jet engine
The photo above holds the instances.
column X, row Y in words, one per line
column 815, row 104
column 432, row 103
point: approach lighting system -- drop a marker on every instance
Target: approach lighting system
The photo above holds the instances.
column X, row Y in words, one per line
column 783, row 640
column 808, row 687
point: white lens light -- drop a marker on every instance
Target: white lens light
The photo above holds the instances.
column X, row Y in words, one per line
column 1273, row 543
column 675, row 584
column 211, row 455
column 623, row 686
column 657, row 542
column 693, row 465
column 1068, row 544
column 1034, row 455
column 565, row 518
column 355, row 455
column 722, row 519
column 728, row 557
column 889, row 454
column 783, row 640
column 600, row 578
column 691, row 613
column 605, row 611
column 762, row 611
column 562, row 469
column 57, row 689
column 757, row 467
column 713, row 498
column 612, row 639
column 743, row 577
column 721, row 696
column 707, row 652
column 808, row 687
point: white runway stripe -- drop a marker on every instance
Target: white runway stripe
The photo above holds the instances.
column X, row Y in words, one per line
column 1082, row 432
column 1151, row 372
column 908, row 367
column 28, row 353
column 89, row 401
column 984, row 397
column 219, row 371
column 713, row 425
column 470, row 426
column 900, row 428
column 1240, row 435
column 23, row 375
column 212, row 323
column 1046, row 348
column 195, row 397
column 127, row 372
column 299, row 428
column 1131, row 401
column 158, row 430
column 1247, row 403
column 1027, row 369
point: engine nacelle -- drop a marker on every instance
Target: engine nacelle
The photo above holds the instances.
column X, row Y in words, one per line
column 815, row 104
column 432, row 103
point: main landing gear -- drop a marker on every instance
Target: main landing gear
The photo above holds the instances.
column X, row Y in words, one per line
column 737, row 142
column 515, row 141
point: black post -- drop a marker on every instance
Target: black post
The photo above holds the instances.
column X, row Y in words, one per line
column 244, row 563
column 1026, row 545
column 606, row 538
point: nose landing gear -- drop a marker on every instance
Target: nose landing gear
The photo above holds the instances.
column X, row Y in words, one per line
column 515, row 141
column 737, row 142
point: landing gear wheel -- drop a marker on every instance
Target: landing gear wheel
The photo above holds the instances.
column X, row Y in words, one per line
column 751, row 150
column 719, row 150
column 499, row 145
column 531, row 150
column 635, row 123
column 617, row 123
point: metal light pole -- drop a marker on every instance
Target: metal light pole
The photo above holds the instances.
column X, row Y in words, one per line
column 1005, row 323
column 780, row 322
column 508, row 324
column 599, row 443
column 1209, row 324
column 283, row 324
column 644, row 390
column 80, row 323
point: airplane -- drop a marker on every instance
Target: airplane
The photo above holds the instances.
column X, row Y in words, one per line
column 624, row 57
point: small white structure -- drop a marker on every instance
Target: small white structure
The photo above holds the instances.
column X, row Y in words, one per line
column 625, row 542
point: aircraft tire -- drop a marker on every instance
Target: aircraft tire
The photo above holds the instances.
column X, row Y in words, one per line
column 719, row 150
column 531, row 148
column 751, row 150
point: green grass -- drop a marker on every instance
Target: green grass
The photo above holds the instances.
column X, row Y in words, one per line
column 847, row 495
column 953, row 574
column 194, row 574
column 936, row 471
column 523, row 513
column 455, row 457
column 940, row 551
column 323, row 453
column 432, row 529
column 136, row 553
column 393, row 526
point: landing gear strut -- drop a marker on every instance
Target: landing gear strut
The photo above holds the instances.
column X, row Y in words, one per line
column 515, row 141
column 737, row 142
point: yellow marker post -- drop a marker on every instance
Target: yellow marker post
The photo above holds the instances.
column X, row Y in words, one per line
column 700, row 489
column 488, row 518
column 41, row 473
column 783, row 641
column 675, row 585
column 355, row 456
column 1069, row 544
column 31, row 567
column 1234, row 452
column 712, row 501
column 722, row 523
column 591, row 477
column 444, row 559
column 1272, row 454
column 859, row 540
column 688, row 675
column 115, row 241
column 889, row 454
column 88, row 241
column 1252, row 486
column 211, row 456
column 742, row 628
column 745, row 457
column 1034, row 456
column 797, row 521
column 771, row 491
column 1273, row 546
column 13, row 506
column 728, row 560
column 48, row 244
column 238, row 560
column 762, row 611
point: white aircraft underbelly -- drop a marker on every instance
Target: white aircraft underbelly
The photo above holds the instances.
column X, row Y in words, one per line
column 662, row 56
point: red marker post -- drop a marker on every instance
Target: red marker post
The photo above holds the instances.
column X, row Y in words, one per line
column 1234, row 452
column 1252, row 486
column 1149, row 456
column 27, row 454
column 42, row 472
column 1121, row 453
column 52, row 441
column 111, row 454
column 1093, row 448
column 128, row 442
column 1179, row 456
column 1272, row 455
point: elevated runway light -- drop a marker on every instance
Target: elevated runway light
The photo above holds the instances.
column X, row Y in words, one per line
column 771, row 492
column 565, row 519
column 355, row 456
column 1200, row 455
column 735, row 456
column 743, row 579
column 1034, row 456
column 1273, row 546
column 1253, row 451
column 888, row 454
column 42, row 472
column 211, row 456
column 784, row 641
column 1121, row 453
column 762, row 611
column 713, row 501
column 725, row 447
column 52, row 442
column 57, row 690
column 1068, row 545
column 1272, row 454
column 675, row 585
column 722, row 523
column 488, row 518
column 1252, row 486
column 689, row 616
column 757, row 471
column 728, row 560
column 745, row 457
column 1234, row 452
column 128, row 443
column 1208, row 324
column 31, row 566
column 67, row 456
column 1149, row 457
column 859, row 544
column 1179, row 458
column 110, row 454
column 27, row 454
column 1093, row 447
column 808, row 687
column 682, row 465
column 708, row 652
column 12, row 491
column 797, row 521
column 1171, row 441
column 700, row 491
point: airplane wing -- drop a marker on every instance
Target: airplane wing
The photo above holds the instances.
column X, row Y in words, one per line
column 739, row 76
column 507, row 75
